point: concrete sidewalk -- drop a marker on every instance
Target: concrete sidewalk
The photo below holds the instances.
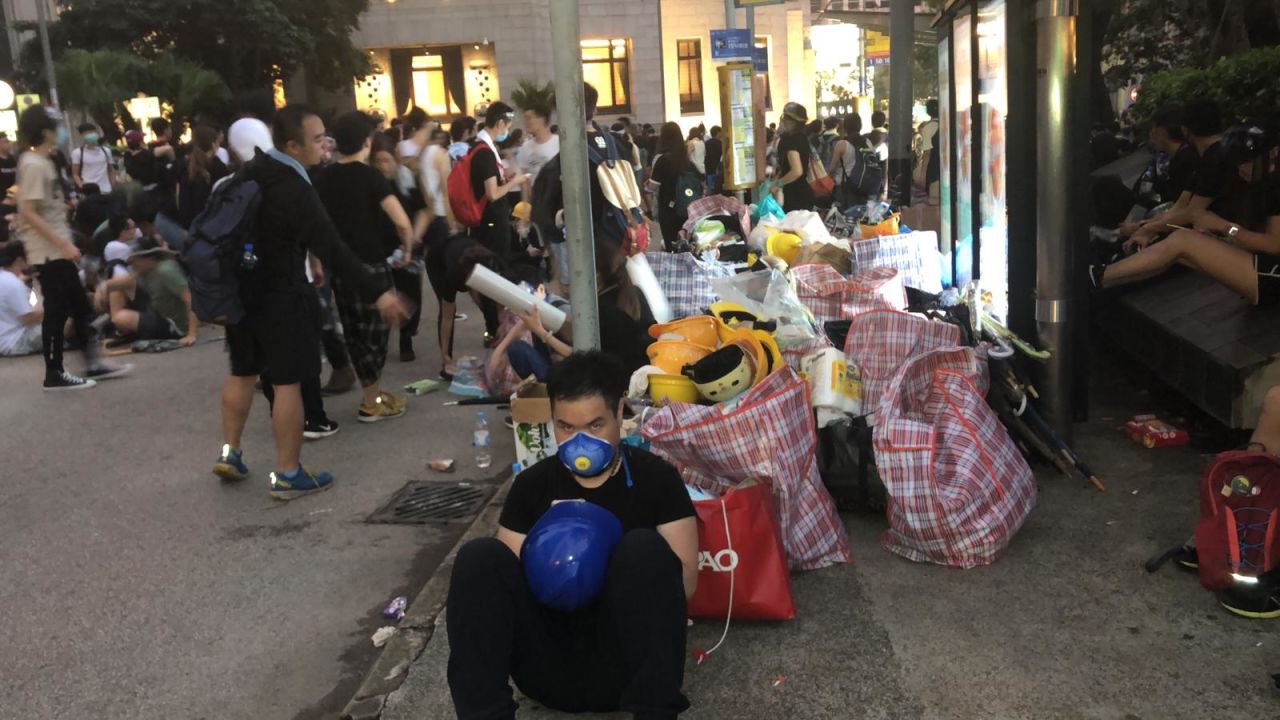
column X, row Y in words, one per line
column 1066, row 625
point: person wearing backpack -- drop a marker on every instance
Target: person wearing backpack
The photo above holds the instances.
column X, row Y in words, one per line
column 855, row 166
column 490, row 181
column 91, row 162
column 832, row 128
column 671, row 173
column 279, row 332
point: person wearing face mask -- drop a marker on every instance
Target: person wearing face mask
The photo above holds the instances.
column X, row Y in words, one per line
column 626, row 650
column 490, row 179
column 91, row 162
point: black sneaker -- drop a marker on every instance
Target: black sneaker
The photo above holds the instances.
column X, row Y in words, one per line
column 319, row 430
column 106, row 371
column 67, row 381
column 1095, row 275
column 1187, row 558
column 1259, row 599
column 406, row 349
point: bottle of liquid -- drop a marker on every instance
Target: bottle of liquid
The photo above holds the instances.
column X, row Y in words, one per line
column 480, row 439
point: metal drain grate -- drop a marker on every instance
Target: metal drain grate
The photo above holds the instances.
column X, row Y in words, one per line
column 420, row 503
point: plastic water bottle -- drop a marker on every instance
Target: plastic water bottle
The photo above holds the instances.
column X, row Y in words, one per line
column 480, row 439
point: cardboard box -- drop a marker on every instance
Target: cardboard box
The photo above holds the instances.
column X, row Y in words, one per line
column 922, row 217
column 531, row 414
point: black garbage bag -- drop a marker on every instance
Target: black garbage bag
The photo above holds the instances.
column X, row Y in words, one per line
column 846, row 463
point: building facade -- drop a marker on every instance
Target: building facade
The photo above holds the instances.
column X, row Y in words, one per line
column 650, row 59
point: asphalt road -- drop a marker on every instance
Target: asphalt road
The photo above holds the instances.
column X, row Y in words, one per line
column 133, row 584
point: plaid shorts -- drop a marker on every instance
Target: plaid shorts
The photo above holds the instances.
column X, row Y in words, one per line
column 366, row 333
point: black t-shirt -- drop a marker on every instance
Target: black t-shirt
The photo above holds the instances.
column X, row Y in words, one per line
column 1214, row 178
column 667, row 175
column 796, row 195
column 656, row 497
column 485, row 165
column 622, row 336
column 193, row 195
column 412, row 202
column 352, row 193
column 1182, row 174
column 8, row 173
column 715, row 154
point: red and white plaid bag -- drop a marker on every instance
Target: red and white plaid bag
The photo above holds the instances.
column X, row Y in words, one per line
column 880, row 341
column 958, row 487
column 831, row 296
column 770, row 434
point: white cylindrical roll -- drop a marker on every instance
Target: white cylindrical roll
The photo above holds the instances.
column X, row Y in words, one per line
column 647, row 283
column 505, row 293
column 833, row 381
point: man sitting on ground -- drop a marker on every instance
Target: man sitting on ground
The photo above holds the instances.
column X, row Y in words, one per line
column 627, row 649
column 153, row 302
column 20, row 318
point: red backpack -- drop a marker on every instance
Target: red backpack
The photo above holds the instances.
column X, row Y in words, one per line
column 468, row 209
column 1239, row 517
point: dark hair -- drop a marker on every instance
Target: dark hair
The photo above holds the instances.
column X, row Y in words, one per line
column 116, row 224
column 671, row 145
column 33, row 123
column 587, row 373
column 878, row 118
column 203, row 139
column 287, row 125
column 853, row 125
column 814, row 127
column 876, row 137
column 590, row 97
column 416, row 118
column 1202, row 117
column 382, row 142
column 611, row 269
column 159, row 126
column 88, row 189
column 1169, row 119
column 351, row 130
column 474, row 255
column 715, row 131
column 831, row 123
column 514, row 138
column 86, row 127
column 931, row 107
column 460, row 127
column 539, row 109
column 498, row 112
column 11, row 252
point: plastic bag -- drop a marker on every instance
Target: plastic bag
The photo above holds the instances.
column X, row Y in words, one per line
column 767, row 205
column 708, row 233
column 769, row 294
column 807, row 224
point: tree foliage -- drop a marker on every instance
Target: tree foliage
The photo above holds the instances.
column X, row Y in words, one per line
column 248, row 43
column 1245, row 86
column 529, row 94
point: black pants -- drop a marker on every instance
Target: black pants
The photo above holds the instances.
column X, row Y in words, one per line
column 670, row 222
column 64, row 297
column 410, row 284
column 624, row 652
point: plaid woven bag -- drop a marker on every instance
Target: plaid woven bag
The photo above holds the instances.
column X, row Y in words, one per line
column 915, row 255
column 880, row 341
column 769, row 434
column 686, row 281
column 832, row 296
column 958, row 487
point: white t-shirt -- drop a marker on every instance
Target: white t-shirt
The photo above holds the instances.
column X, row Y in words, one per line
column 409, row 149
column 15, row 301
column 94, row 161
column 223, row 155
column 928, row 130
column 534, row 155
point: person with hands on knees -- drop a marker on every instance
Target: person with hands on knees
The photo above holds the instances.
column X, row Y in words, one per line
column 625, row 648
column 1242, row 253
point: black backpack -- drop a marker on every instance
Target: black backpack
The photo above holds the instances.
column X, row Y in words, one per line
column 221, row 253
column 689, row 187
column 867, row 177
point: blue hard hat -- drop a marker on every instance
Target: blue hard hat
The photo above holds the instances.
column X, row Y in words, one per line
column 566, row 553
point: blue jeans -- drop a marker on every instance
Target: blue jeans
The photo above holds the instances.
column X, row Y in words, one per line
column 529, row 359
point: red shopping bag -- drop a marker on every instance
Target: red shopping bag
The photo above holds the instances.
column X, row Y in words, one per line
column 742, row 570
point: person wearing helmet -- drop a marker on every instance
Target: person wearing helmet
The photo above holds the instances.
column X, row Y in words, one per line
column 1242, row 252
column 793, row 158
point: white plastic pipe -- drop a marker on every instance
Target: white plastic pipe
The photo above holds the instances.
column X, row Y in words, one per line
column 647, row 283
column 505, row 293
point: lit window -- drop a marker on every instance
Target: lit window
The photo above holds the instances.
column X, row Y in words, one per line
column 606, row 65
column 429, row 90
column 689, row 55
